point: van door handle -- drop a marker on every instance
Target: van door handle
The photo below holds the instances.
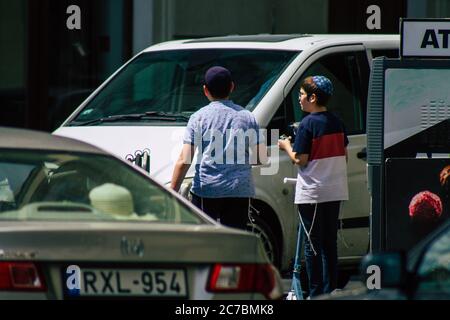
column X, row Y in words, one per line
column 362, row 154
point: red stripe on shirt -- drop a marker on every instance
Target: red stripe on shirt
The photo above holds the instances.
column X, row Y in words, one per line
column 327, row 146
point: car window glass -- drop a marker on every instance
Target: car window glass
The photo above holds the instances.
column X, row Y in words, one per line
column 280, row 121
column 434, row 269
column 388, row 53
column 10, row 184
column 348, row 72
column 172, row 81
column 58, row 186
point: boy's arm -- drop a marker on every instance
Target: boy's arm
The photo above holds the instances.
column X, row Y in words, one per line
column 182, row 166
column 260, row 151
column 300, row 159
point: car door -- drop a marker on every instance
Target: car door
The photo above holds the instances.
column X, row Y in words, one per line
column 433, row 272
column 282, row 193
column 347, row 67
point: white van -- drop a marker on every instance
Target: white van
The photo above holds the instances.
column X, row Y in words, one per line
column 140, row 113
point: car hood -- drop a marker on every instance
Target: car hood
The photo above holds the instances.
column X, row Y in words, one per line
column 164, row 144
column 103, row 241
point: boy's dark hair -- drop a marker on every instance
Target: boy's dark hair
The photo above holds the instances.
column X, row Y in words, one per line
column 218, row 81
column 310, row 86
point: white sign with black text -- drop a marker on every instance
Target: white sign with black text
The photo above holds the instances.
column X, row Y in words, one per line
column 425, row 38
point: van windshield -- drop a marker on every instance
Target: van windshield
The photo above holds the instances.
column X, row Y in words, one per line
column 168, row 85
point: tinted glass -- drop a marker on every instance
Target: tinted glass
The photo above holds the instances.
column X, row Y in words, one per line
column 349, row 73
column 434, row 270
column 13, row 56
column 388, row 53
column 58, row 186
column 172, row 81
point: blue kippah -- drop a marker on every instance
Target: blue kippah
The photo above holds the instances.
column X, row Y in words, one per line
column 324, row 84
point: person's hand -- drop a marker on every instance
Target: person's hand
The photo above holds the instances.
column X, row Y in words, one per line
column 285, row 144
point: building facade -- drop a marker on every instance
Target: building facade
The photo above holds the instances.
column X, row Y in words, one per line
column 53, row 53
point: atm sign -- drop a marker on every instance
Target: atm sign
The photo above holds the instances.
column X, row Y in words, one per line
column 425, row 38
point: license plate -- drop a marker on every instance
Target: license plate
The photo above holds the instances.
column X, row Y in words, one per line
column 133, row 282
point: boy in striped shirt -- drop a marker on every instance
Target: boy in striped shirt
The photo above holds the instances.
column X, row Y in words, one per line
column 320, row 151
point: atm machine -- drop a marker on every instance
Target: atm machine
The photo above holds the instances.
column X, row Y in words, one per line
column 408, row 150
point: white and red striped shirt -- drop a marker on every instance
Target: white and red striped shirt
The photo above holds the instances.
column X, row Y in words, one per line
column 321, row 135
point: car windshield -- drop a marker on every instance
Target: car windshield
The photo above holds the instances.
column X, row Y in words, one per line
column 78, row 186
column 164, row 83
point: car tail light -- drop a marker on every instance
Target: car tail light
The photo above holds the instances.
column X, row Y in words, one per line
column 240, row 278
column 20, row 276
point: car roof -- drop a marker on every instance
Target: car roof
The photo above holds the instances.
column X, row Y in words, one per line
column 14, row 138
column 296, row 42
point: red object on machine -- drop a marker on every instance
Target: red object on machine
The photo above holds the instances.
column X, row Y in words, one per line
column 444, row 176
column 425, row 204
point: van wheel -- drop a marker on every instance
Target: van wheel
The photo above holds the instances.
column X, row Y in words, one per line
column 268, row 238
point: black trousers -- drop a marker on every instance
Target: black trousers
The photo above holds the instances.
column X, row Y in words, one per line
column 321, row 252
column 232, row 212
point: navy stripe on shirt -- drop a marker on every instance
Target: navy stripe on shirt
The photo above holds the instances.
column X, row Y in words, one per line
column 315, row 126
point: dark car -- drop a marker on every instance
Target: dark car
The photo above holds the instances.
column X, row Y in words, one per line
column 422, row 274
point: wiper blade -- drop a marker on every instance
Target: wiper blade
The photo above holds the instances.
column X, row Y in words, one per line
column 151, row 115
column 132, row 117
column 176, row 116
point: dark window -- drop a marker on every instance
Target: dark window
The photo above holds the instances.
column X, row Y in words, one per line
column 350, row 16
column 13, row 55
column 388, row 53
column 84, row 58
column 434, row 269
column 57, row 186
column 171, row 81
column 281, row 121
column 349, row 73
column 47, row 70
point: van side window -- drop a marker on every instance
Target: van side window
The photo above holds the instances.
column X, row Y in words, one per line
column 349, row 72
column 281, row 120
column 388, row 53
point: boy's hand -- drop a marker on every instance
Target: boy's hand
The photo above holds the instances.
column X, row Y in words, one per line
column 285, row 144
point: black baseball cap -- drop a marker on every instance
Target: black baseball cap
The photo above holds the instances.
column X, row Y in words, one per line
column 218, row 81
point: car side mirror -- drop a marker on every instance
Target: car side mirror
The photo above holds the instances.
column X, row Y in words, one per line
column 384, row 270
